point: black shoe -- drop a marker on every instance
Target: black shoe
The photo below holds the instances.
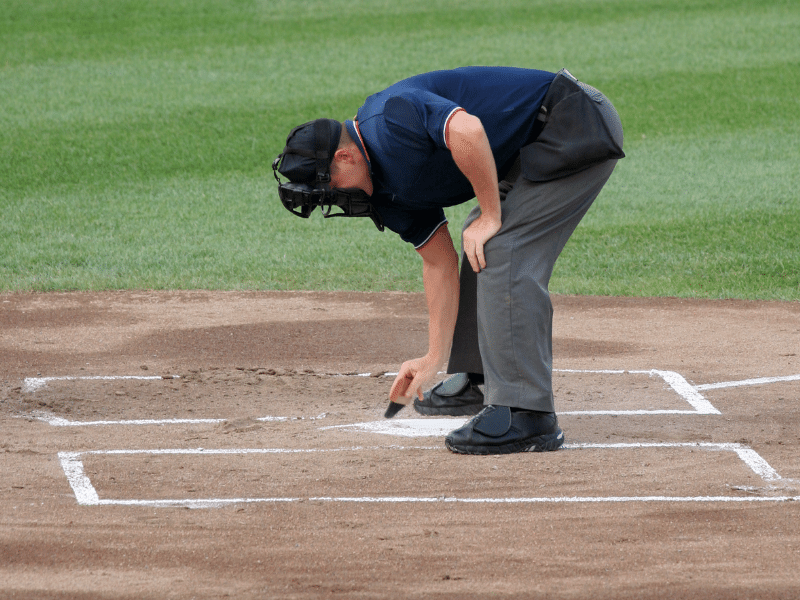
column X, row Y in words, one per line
column 456, row 396
column 499, row 430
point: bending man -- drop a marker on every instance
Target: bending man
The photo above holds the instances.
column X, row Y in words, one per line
column 535, row 149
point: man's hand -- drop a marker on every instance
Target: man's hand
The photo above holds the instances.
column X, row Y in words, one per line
column 480, row 231
column 414, row 375
column 440, row 276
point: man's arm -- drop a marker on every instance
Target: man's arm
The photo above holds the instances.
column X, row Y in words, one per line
column 440, row 277
column 472, row 153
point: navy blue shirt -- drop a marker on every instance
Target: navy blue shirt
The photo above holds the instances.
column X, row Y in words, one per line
column 403, row 130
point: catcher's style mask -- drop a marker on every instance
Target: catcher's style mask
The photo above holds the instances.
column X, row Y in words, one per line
column 306, row 162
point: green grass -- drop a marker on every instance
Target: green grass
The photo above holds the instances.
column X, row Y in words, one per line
column 136, row 138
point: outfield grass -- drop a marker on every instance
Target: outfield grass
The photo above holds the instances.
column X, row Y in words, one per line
column 136, row 138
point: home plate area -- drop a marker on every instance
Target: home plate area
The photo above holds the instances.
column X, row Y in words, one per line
column 212, row 438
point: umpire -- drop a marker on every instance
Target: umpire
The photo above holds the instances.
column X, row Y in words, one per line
column 534, row 148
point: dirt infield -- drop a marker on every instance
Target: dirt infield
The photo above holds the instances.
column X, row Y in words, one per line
column 244, row 454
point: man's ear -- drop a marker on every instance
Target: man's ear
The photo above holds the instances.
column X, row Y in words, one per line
column 345, row 155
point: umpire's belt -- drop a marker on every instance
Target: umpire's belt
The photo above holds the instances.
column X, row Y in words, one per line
column 573, row 134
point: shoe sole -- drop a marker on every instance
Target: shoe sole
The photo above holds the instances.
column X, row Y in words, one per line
column 543, row 443
column 452, row 411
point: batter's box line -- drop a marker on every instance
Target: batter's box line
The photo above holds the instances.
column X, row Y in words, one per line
column 744, row 382
column 86, row 494
column 700, row 405
column 676, row 381
column 55, row 421
column 31, row 384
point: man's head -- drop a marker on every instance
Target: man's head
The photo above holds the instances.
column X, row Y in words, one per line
column 321, row 152
column 326, row 169
column 309, row 151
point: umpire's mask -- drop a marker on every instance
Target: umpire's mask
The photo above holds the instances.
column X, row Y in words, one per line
column 306, row 162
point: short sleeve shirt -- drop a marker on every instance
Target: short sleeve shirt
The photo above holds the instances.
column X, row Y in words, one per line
column 403, row 130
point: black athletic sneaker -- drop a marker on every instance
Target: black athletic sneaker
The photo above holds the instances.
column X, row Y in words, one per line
column 456, row 396
column 500, row 430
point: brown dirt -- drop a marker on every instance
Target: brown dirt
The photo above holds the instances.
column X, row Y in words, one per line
column 243, row 356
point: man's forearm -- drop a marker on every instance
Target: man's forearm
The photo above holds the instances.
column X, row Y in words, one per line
column 472, row 154
column 440, row 277
column 441, row 291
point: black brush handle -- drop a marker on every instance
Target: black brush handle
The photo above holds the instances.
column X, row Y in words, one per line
column 394, row 408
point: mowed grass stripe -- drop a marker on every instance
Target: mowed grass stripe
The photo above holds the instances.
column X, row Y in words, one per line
column 136, row 137
column 216, row 139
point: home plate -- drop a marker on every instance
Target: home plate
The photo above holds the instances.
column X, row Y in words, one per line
column 405, row 427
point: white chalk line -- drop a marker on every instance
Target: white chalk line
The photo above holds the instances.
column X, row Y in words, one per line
column 215, row 451
column 221, row 502
column 87, row 495
column 85, row 492
column 700, row 406
column 676, row 381
column 411, row 428
column 31, row 384
column 743, row 382
column 62, row 422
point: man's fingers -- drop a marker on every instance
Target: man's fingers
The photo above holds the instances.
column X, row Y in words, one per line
column 472, row 256
column 400, row 385
column 474, row 244
column 474, row 263
column 481, row 258
column 414, row 388
column 410, row 380
column 399, row 395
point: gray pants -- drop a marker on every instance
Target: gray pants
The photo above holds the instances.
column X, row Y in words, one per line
column 505, row 317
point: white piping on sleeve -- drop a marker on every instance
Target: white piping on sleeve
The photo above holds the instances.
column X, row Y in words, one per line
column 447, row 124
